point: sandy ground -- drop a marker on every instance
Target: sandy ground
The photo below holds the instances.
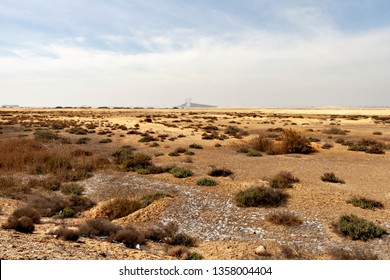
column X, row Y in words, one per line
column 224, row 230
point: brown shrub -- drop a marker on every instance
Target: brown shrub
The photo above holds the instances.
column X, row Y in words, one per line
column 282, row 180
column 261, row 143
column 120, row 207
column 67, row 234
column 160, row 233
column 23, row 224
column 179, row 252
column 354, row 253
column 284, row 219
column 293, row 142
column 27, row 211
column 129, row 236
column 182, row 239
column 98, row 227
column 21, row 154
column 48, row 206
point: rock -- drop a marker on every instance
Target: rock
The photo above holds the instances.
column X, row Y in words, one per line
column 261, row 251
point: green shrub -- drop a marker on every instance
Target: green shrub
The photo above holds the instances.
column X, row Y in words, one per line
column 332, row 178
column 68, row 212
column 206, row 182
column 195, row 256
column 221, row 172
column 375, row 149
column 327, row 146
column 105, row 141
column 365, row 203
column 243, row 150
column 260, row 197
column 148, row 199
column 123, row 154
column 147, row 138
column 180, row 150
column 72, row 189
column 80, row 203
column 154, row 144
column 136, row 161
column 195, row 146
column 56, row 163
column 120, row 207
column 78, row 130
column 282, row 180
column 180, row 172
column 335, row 130
column 254, row 153
column 174, row 154
column 46, row 135
column 357, row 228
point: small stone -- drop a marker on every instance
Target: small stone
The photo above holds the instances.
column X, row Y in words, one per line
column 261, row 251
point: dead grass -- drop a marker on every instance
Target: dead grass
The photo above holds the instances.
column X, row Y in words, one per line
column 284, row 218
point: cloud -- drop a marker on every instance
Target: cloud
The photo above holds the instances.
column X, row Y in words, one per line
column 141, row 54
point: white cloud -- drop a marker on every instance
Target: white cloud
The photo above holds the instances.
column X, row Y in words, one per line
column 257, row 68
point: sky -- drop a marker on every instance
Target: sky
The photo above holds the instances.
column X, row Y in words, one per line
column 157, row 53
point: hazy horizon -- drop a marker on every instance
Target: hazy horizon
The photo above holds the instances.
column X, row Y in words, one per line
column 251, row 53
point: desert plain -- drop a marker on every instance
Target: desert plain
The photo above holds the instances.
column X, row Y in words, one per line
column 69, row 166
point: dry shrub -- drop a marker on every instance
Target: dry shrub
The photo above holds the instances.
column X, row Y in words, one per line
column 48, row 206
column 182, row 239
column 9, row 187
column 161, row 232
column 72, row 189
column 282, row 180
column 80, row 203
column 331, row 178
column 335, row 131
column 291, row 252
column 284, row 219
column 27, row 211
column 81, row 153
column 23, row 224
column 220, row 172
column 49, row 184
column 179, row 252
column 129, row 236
column 98, row 227
column 354, row 253
column 261, row 143
column 120, row 207
column 293, row 143
column 67, row 234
